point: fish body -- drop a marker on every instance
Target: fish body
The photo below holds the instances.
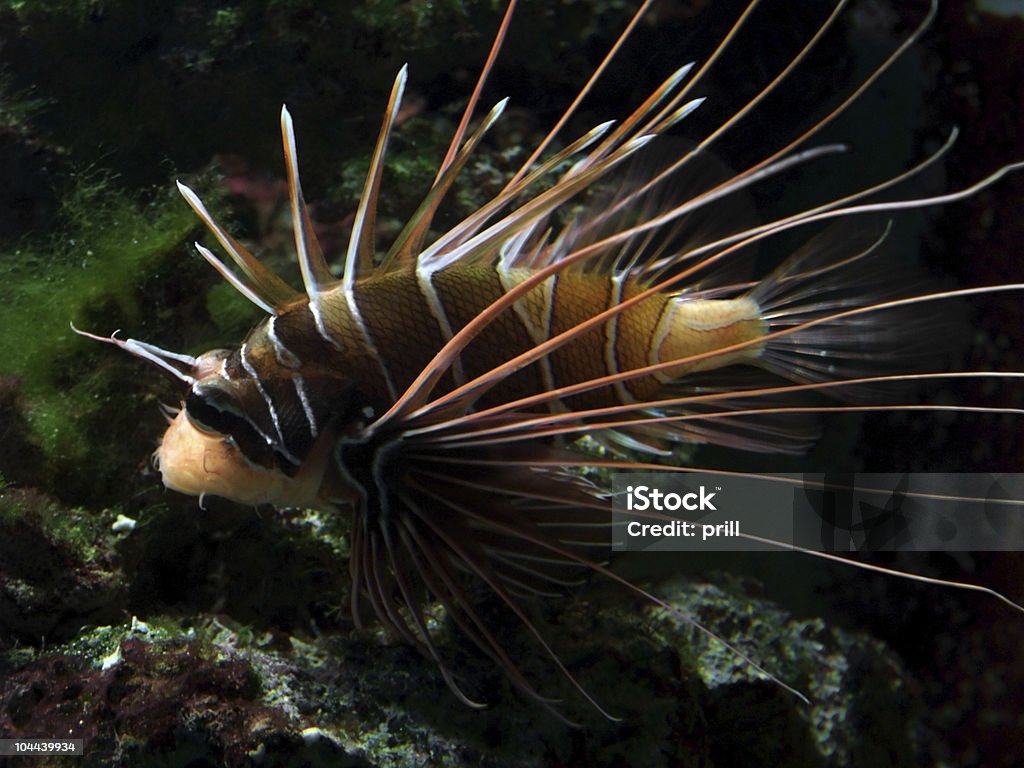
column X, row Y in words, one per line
column 302, row 374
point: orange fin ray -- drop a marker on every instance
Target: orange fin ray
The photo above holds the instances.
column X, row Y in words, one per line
column 407, row 245
column 472, row 223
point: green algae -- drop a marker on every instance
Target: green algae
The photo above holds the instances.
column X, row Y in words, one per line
column 231, row 312
column 414, row 23
column 26, row 9
column 80, row 531
column 19, row 107
column 93, row 269
column 99, row 645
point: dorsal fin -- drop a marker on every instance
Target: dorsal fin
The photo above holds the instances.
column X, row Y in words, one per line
column 359, row 258
column 263, row 287
column 315, row 273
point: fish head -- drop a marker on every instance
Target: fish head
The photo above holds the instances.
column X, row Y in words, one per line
column 237, row 436
column 227, row 439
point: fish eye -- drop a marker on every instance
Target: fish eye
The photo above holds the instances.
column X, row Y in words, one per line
column 209, row 363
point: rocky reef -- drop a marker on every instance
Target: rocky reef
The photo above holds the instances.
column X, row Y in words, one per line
column 269, row 681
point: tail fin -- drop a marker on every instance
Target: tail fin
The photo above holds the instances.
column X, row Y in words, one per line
column 834, row 314
column 833, row 322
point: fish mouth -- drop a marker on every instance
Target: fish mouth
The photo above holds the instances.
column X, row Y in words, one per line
column 199, row 463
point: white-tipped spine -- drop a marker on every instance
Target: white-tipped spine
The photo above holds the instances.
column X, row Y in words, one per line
column 368, row 200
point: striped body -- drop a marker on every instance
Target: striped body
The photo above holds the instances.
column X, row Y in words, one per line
column 296, row 375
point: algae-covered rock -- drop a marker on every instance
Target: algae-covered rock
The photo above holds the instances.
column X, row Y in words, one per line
column 164, row 702
column 57, row 569
column 163, row 693
column 860, row 711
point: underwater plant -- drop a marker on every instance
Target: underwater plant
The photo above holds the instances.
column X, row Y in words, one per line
column 436, row 390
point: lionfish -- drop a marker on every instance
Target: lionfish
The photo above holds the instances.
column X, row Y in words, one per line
column 437, row 390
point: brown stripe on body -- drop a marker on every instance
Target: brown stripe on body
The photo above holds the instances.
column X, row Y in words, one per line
column 322, row 360
column 466, row 291
column 534, row 309
column 577, row 298
column 634, row 336
column 402, row 324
